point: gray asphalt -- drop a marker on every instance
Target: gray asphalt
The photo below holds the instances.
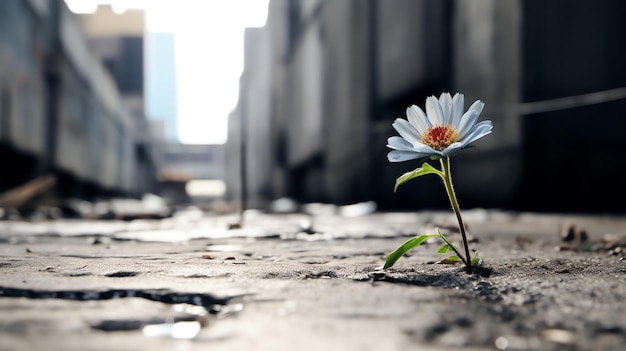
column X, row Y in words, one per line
column 295, row 281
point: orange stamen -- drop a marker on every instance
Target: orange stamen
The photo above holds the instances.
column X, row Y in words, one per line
column 439, row 137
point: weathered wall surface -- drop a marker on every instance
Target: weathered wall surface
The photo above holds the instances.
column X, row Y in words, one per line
column 344, row 70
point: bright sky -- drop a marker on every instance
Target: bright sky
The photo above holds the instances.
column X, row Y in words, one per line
column 209, row 55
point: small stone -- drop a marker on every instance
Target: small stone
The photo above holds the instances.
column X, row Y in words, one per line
column 501, row 343
column 559, row 336
column 568, row 233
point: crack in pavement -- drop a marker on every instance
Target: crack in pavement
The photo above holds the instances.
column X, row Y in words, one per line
column 208, row 301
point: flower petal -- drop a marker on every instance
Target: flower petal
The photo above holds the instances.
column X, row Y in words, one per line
column 445, row 101
column 406, row 130
column 480, row 130
column 402, row 144
column 458, row 104
column 453, row 148
column 399, row 155
column 469, row 118
column 445, row 110
column 433, row 111
column 425, row 149
column 418, row 119
column 399, row 143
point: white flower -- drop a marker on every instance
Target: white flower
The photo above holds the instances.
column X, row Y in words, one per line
column 443, row 131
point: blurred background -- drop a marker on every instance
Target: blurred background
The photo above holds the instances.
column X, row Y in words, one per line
column 237, row 104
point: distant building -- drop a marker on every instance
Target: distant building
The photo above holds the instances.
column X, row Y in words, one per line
column 118, row 40
column 324, row 80
column 184, row 163
column 64, row 114
column 161, row 91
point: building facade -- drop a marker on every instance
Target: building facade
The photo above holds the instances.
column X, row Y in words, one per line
column 324, row 80
column 61, row 112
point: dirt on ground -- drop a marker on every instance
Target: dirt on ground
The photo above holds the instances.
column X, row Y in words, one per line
column 294, row 281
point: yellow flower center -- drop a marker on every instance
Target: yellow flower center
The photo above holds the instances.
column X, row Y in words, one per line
column 439, row 137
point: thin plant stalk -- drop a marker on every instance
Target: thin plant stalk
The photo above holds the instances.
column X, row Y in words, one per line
column 447, row 181
column 456, row 251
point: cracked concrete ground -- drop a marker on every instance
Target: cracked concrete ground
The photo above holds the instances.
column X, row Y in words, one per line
column 294, row 281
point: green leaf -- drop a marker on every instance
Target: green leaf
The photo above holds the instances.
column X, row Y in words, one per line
column 444, row 249
column 402, row 249
column 418, row 172
column 454, row 259
column 476, row 261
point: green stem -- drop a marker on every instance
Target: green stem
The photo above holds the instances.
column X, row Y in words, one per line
column 456, row 251
column 447, row 181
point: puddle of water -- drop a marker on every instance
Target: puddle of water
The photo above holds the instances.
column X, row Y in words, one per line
column 180, row 235
column 223, row 248
column 168, row 235
column 188, row 323
column 122, row 274
column 119, row 325
column 178, row 330
column 228, row 310
column 165, row 296
column 190, row 312
column 191, row 309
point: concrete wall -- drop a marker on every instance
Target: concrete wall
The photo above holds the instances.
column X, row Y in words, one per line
column 339, row 72
column 305, row 85
column 321, row 88
column 412, row 56
column 232, row 158
column 347, row 34
column 412, row 39
column 60, row 111
column 255, row 111
column 302, row 99
column 572, row 48
column 487, row 65
column 277, row 27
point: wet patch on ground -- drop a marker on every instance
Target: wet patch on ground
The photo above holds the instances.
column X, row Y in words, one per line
column 165, row 296
column 188, row 315
column 121, row 274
